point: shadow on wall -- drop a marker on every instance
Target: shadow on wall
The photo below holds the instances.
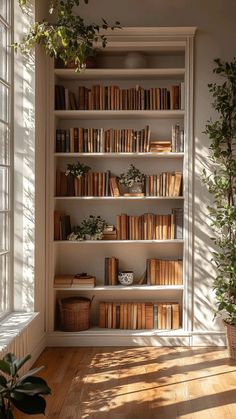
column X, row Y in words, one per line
column 24, row 181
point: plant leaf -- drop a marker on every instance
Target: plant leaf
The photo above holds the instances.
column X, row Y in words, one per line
column 20, row 362
column 31, row 405
column 5, row 367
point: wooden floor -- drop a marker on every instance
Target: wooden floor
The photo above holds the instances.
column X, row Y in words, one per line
column 138, row 383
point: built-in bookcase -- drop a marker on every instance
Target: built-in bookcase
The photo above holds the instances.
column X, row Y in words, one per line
column 169, row 57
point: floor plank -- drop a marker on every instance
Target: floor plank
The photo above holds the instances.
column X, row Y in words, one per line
column 139, row 383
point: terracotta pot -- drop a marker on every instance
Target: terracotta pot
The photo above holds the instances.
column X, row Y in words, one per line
column 231, row 339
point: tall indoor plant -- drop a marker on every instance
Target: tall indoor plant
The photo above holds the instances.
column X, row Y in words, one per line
column 221, row 184
column 67, row 36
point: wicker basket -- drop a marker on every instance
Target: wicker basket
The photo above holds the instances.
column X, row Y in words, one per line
column 74, row 313
column 231, row 338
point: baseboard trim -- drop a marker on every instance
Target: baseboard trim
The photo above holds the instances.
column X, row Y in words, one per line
column 208, row 338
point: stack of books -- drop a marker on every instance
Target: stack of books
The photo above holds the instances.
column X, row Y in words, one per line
column 158, row 146
column 111, row 270
column 164, row 272
column 74, row 281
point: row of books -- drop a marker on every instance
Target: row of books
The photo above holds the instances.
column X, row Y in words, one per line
column 104, row 184
column 164, row 272
column 100, row 97
column 139, row 315
column 150, row 226
column 131, row 227
column 100, row 140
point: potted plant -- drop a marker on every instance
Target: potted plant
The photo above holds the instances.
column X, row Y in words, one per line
column 221, row 184
column 77, row 170
column 90, row 229
column 67, row 37
column 133, row 179
column 23, row 393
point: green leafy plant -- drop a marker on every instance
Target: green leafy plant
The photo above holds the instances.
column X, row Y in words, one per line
column 221, row 184
column 23, row 393
column 90, row 229
column 132, row 176
column 68, row 37
column 77, row 170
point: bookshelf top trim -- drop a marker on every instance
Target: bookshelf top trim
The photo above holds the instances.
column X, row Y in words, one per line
column 123, row 114
column 119, row 73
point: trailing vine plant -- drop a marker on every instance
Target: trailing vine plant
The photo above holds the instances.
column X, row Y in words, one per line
column 68, row 37
column 221, row 184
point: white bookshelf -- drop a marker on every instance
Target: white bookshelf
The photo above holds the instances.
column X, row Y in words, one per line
column 171, row 55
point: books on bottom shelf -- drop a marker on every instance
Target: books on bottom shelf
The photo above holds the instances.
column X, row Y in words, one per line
column 74, row 281
column 139, row 315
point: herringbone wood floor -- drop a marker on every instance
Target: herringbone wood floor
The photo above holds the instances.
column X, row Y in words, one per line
column 139, row 383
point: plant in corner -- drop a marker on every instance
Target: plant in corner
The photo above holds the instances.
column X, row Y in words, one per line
column 221, row 184
column 68, row 37
column 23, row 393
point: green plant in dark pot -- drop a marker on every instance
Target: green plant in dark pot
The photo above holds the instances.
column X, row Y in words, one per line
column 67, row 37
column 23, row 393
column 221, row 183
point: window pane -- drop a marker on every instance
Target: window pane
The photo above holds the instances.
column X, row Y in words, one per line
column 4, row 231
column 4, row 9
column 4, row 103
column 3, row 52
column 4, row 284
column 4, row 144
column 4, row 188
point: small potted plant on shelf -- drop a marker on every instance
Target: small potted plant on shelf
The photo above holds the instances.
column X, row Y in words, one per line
column 77, row 170
column 90, row 229
column 67, row 37
column 133, row 179
column 221, row 184
column 24, row 393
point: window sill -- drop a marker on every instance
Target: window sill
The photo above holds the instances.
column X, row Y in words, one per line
column 12, row 326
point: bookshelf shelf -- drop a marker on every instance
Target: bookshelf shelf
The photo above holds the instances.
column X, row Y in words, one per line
column 99, row 242
column 129, row 288
column 111, row 198
column 123, row 155
column 120, row 73
column 93, row 115
column 168, row 76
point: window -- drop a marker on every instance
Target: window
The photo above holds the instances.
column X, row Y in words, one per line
column 6, row 160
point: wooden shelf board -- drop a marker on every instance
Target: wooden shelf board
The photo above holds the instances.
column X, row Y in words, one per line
column 86, row 198
column 120, row 73
column 168, row 155
column 96, row 331
column 123, row 114
column 124, row 288
column 175, row 241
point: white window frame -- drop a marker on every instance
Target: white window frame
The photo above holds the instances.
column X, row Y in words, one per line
column 6, row 253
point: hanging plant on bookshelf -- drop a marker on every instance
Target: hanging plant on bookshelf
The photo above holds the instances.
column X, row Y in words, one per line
column 77, row 169
column 90, row 229
column 67, row 37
